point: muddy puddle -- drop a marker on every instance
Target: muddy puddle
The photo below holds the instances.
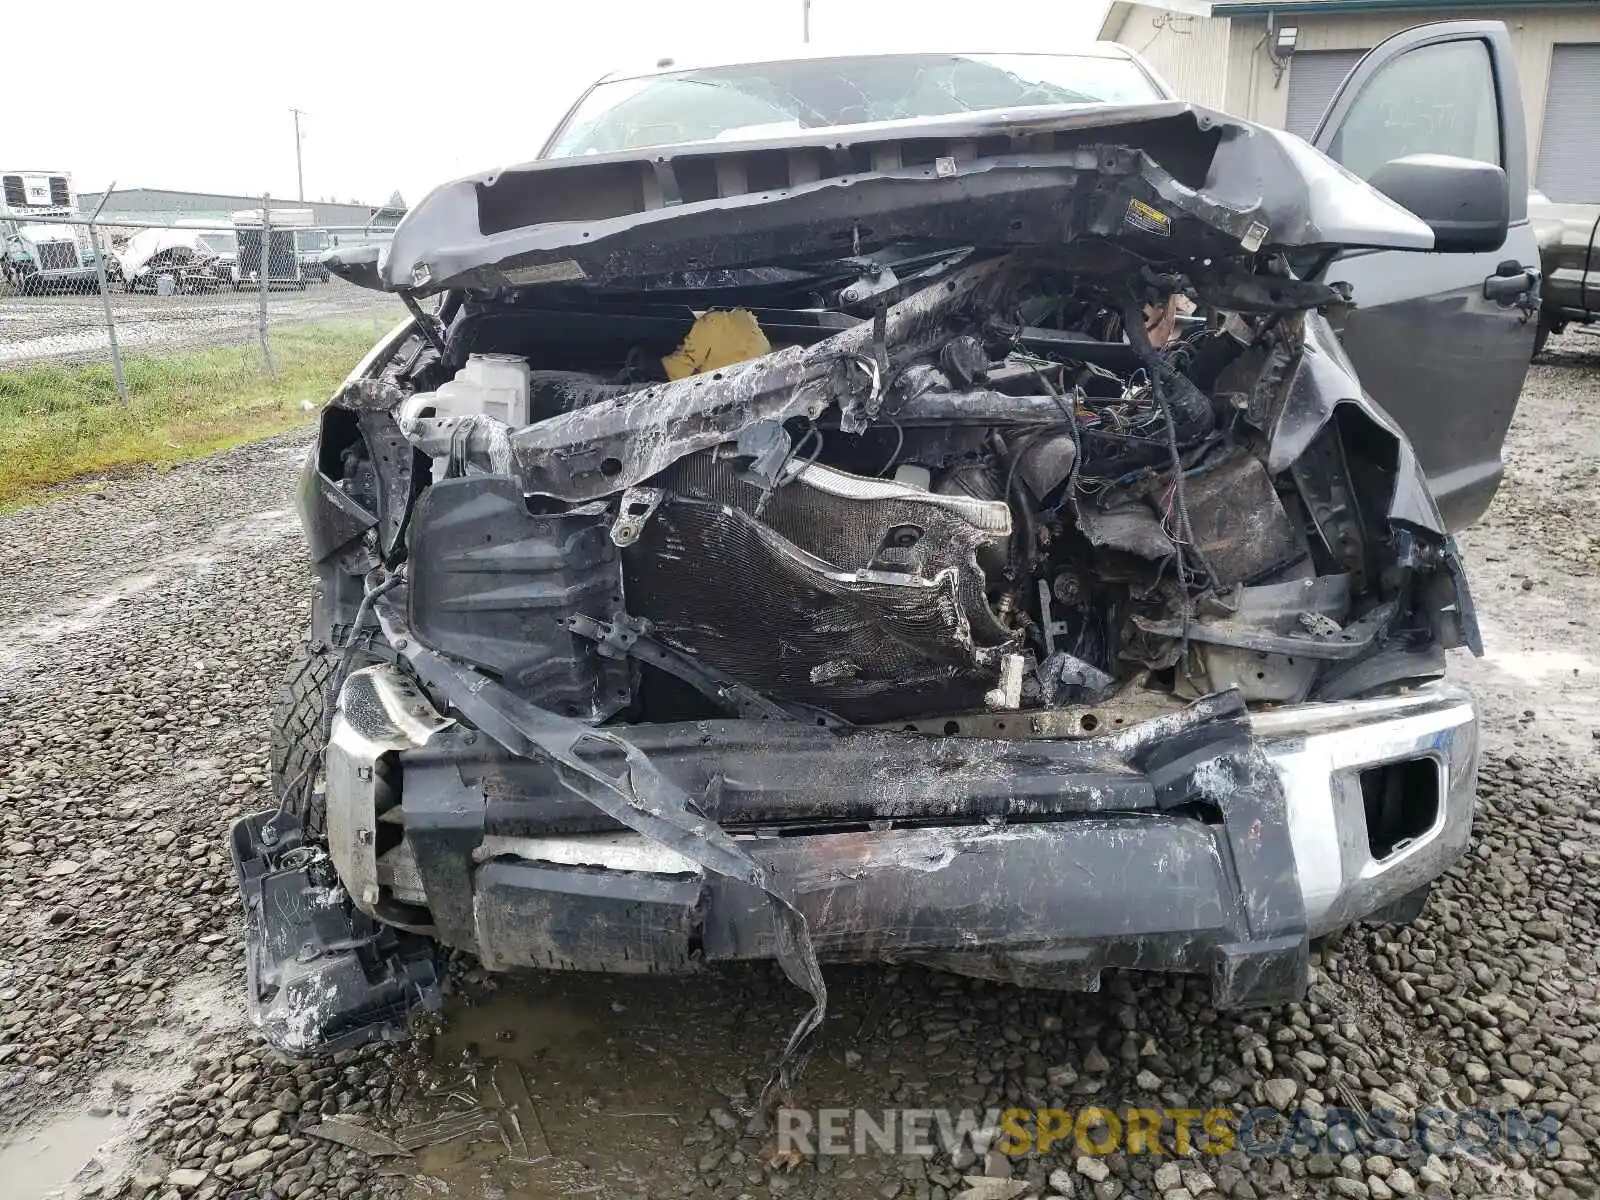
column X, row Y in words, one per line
column 588, row 1082
column 583, row 1085
column 57, row 1155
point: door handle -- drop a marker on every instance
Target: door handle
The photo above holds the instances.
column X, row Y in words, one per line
column 1510, row 284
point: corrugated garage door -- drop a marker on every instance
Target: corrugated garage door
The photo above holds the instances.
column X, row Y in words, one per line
column 1313, row 78
column 1569, row 147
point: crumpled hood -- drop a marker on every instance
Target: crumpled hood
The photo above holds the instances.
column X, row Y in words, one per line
column 1168, row 179
column 147, row 243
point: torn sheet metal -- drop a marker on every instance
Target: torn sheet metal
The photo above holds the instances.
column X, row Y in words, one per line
column 519, row 1112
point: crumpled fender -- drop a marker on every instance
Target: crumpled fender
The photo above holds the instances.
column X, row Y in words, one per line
column 1320, row 382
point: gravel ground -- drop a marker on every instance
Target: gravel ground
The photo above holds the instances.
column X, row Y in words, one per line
column 135, row 682
column 71, row 328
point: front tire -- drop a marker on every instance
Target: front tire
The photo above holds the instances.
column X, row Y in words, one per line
column 297, row 738
column 1542, row 334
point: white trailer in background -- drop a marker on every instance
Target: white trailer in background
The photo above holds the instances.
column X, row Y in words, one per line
column 39, row 251
column 280, row 248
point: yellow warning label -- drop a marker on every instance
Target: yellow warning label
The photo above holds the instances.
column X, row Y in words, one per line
column 1150, row 220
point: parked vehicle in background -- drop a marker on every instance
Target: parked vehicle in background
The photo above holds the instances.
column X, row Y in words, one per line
column 40, row 253
column 1569, row 252
column 40, row 256
column 198, row 259
column 279, row 250
column 911, row 507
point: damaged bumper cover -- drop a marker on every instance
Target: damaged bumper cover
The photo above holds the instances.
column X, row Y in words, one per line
column 1209, row 840
column 322, row 975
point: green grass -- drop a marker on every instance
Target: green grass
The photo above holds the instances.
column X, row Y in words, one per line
column 64, row 424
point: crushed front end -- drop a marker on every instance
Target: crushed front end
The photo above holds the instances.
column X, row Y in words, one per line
column 1025, row 588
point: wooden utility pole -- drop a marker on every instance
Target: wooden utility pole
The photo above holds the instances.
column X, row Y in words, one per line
column 299, row 174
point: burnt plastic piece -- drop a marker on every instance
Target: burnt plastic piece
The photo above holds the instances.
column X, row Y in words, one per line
column 323, row 976
column 493, row 585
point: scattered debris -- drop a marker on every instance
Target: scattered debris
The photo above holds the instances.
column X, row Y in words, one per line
column 357, row 1137
column 526, row 1138
column 982, row 1187
column 448, row 1128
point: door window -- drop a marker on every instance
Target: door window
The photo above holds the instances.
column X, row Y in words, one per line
column 1436, row 99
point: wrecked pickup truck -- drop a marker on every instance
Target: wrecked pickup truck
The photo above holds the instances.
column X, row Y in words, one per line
column 956, row 537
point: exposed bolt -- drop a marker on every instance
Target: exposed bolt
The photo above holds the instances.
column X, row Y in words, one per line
column 399, row 643
column 468, row 738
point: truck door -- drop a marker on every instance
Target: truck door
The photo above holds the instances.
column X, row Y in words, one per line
column 1442, row 341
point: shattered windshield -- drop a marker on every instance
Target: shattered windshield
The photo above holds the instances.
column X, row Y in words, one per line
column 770, row 99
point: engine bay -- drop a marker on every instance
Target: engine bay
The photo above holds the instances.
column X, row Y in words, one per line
column 924, row 486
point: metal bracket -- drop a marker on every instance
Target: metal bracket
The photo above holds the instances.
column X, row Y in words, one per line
column 876, row 278
column 637, row 506
column 1052, row 628
column 629, row 637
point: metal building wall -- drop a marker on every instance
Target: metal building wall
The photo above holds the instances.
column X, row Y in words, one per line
column 1187, row 51
column 160, row 204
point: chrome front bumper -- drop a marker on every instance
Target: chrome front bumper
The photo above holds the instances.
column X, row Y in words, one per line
column 1320, row 751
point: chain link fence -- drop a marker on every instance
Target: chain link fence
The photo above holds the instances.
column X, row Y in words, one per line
column 81, row 288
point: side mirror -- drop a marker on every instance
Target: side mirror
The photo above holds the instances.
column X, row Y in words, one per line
column 1468, row 203
column 357, row 264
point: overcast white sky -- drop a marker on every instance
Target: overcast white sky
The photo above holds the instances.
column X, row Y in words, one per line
column 195, row 94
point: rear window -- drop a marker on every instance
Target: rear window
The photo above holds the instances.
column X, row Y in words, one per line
column 771, row 99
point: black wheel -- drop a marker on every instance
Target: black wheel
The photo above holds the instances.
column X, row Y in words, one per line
column 27, row 285
column 1542, row 334
column 297, row 720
